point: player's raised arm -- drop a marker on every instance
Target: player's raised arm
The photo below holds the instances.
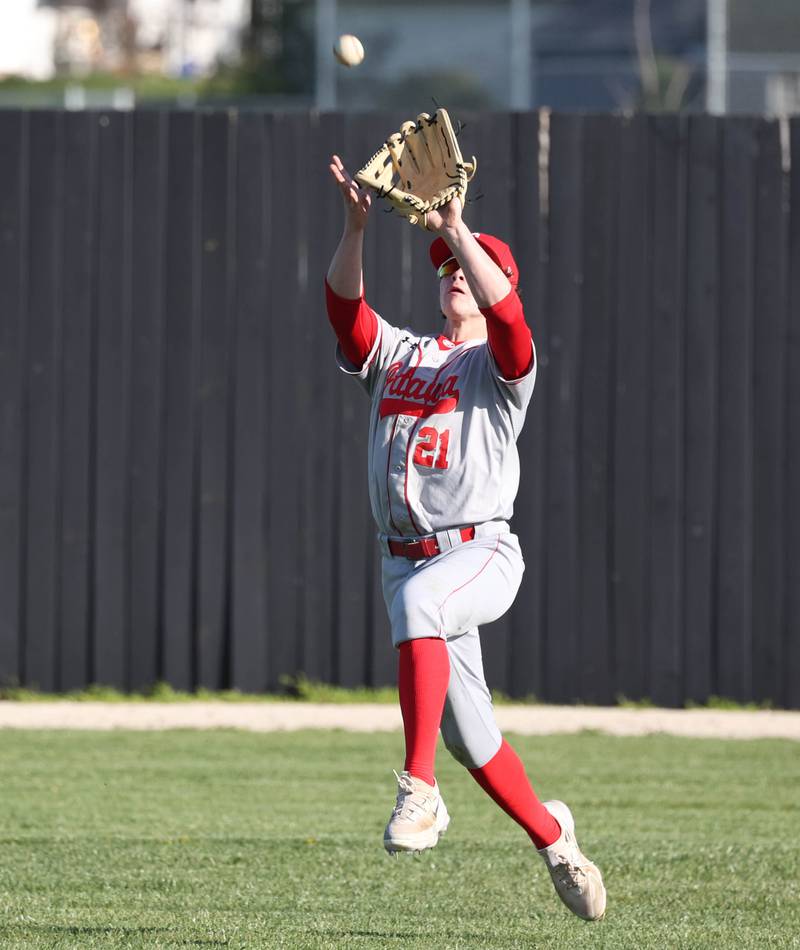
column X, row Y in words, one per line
column 490, row 281
column 354, row 323
column 489, row 285
column 345, row 276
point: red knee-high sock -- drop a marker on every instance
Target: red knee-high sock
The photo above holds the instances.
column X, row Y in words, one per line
column 423, row 675
column 504, row 779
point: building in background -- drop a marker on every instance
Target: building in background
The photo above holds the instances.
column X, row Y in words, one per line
column 574, row 54
column 40, row 39
column 583, row 53
column 764, row 56
column 190, row 37
column 622, row 55
column 27, row 37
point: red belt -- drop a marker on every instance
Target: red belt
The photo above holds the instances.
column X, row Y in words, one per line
column 423, row 547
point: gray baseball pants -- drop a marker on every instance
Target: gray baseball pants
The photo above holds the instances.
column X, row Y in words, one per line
column 451, row 596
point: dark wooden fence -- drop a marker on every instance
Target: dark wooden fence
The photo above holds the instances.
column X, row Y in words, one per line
column 182, row 484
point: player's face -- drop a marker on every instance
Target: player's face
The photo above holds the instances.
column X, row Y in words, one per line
column 455, row 297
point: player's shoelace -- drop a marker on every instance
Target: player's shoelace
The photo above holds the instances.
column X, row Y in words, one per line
column 572, row 876
column 410, row 801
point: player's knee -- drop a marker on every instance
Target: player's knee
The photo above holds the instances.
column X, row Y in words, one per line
column 471, row 751
column 455, row 745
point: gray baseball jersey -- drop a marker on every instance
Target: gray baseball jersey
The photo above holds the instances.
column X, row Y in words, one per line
column 443, row 430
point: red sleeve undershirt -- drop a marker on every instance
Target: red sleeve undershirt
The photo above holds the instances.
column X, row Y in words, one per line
column 509, row 336
column 354, row 323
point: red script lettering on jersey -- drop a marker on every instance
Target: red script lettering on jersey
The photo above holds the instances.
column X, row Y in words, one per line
column 405, row 392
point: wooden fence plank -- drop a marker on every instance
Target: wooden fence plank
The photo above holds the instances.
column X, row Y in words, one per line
column 181, row 340
column 593, row 666
column 565, row 279
column 248, row 616
column 631, row 464
column 287, row 428
column 666, row 419
column 525, row 673
column 316, row 192
column 148, row 227
column 42, row 416
column 769, row 424
column 14, row 263
column 211, row 394
column 112, row 524
column 305, row 384
column 735, row 420
column 314, row 184
column 80, row 261
column 700, row 412
column 354, row 542
column 791, row 630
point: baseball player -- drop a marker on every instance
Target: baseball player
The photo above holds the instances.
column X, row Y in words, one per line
column 446, row 411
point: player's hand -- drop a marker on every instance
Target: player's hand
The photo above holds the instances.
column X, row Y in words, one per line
column 447, row 217
column 356, row 200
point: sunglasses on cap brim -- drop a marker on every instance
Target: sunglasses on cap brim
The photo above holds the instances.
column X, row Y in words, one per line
column 449, row 267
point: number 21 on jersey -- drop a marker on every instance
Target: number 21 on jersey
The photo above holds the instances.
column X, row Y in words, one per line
column 431, row 450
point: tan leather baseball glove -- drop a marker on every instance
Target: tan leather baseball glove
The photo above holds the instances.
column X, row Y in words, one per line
column 420, row 168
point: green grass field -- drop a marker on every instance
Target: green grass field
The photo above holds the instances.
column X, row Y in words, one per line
column 228, row 839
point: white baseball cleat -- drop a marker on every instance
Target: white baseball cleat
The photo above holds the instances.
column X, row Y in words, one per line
column 419, row 816
column 577, row 881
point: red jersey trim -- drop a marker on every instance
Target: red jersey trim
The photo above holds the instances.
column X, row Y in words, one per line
column 390, row 407
column 466, row 583
column 446, row 344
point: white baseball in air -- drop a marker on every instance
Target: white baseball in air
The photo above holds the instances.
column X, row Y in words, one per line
column 348, row 50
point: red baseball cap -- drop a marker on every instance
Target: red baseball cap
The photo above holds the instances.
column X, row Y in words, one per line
column 498, row 250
